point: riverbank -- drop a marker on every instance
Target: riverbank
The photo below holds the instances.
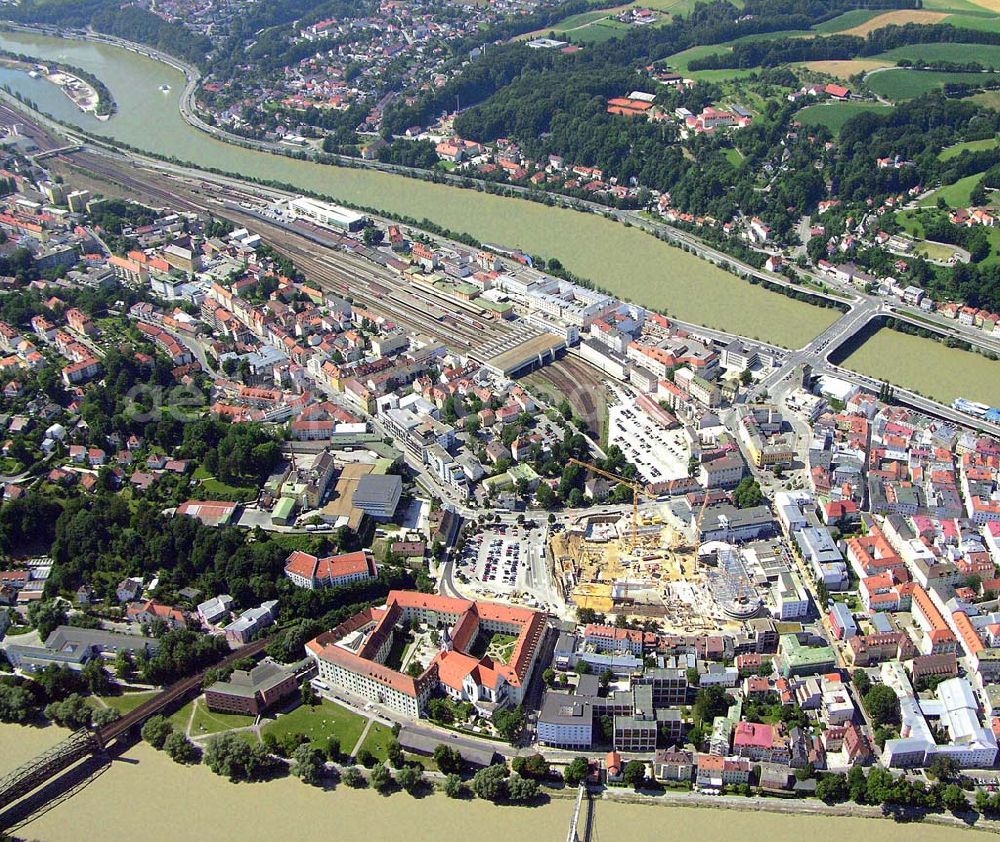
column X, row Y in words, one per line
column 177, row 801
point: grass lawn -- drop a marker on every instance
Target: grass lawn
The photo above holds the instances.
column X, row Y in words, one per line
column 319, row 723
column 218, row 490
column 209, row 722
column 904, row 83
column 180, row 718
column 734, row 156
column 834, row 115
column 126, row 702
column 957, row 195
column 935, row 251
column 968, row 146
column 377, row 740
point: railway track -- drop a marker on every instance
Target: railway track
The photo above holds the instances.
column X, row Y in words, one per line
column 346, row 274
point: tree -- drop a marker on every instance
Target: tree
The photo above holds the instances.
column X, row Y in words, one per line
column 582, row 668
column 104, row 716
column 17, row 704
column 490, row 783
column 308, row 764
column 366, row 758
column 832, row 788
column 180, row 749
column 453, row 786
column 954, row 799
column 534, row 766
column 333, row 748
column 882, row 705
column 549, row 676
column 748, row 493
column 97, row 678
column 448, row 760
column 410, row 778
column 372, row 236
column 942, row 767
column 857, row 785
column 604, row 679
column 72, row 712
column 634, row 774
column 521, row 790
column 710, row 702
column 156, row 730
column 380, row 778
column 861, row 681
column 233, row 757
column 309, row 697
column 353, row 778
column 46, row 616
column 509, row 722
column 576, row 771
column 394, row 753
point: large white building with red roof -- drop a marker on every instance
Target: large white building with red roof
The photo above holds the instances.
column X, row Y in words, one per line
column 308, row 571
column 353, row 655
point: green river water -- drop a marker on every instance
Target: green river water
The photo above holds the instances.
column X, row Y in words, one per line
column 627, row 262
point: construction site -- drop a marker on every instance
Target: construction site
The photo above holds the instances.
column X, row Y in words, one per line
column 647, row 564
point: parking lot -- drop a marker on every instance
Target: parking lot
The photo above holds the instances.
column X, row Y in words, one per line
column 508, row 561
column 658, row 454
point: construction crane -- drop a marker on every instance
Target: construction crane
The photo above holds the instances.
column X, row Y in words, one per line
column 637, row 489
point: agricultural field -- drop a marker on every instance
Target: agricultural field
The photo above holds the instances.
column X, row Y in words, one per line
column 845, row 69
column 980, row 22
column 898, row 18
column 902, row 83
column 987, row 55
column 968, row 146
column 846, row 21
column 834, row 115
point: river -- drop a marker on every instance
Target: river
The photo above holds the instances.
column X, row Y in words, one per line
column 627, row 262
column 928, row 367
column 146, row 790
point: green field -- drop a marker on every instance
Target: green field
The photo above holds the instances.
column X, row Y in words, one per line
column 834, row 115
column 319, row 723
column 848, row 20
column 956, row 195
column 679, row 61
column 218, row 490
column 968, row 146
column 987, row 55
column 125, row 702
column 986, row 23
column 376, row 740
column 595, row 33
column 903, row 83
column 207, row 722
